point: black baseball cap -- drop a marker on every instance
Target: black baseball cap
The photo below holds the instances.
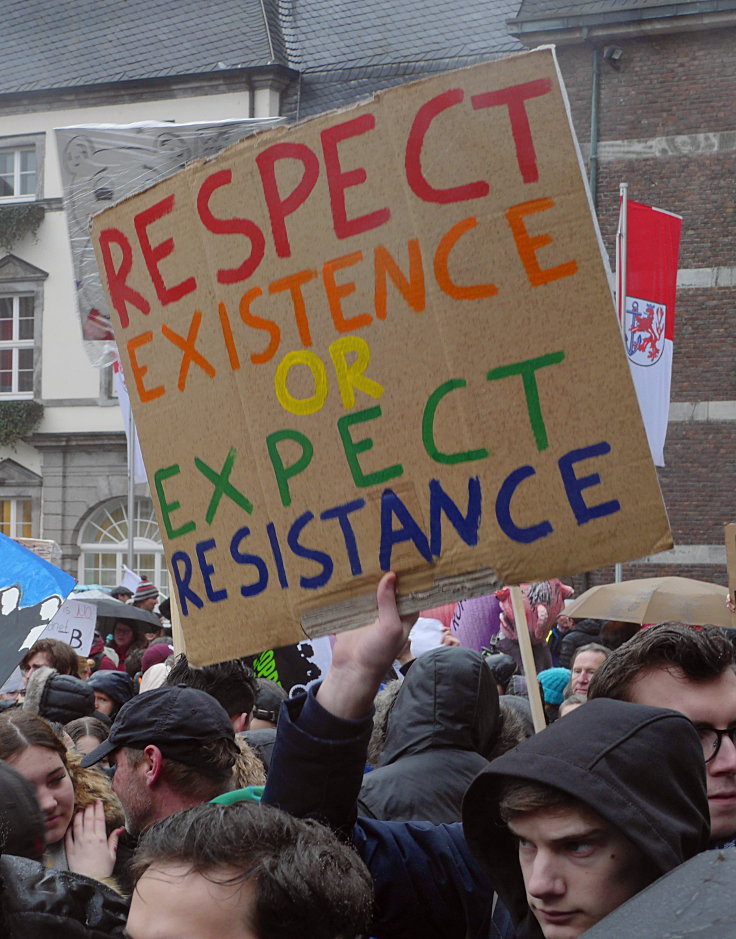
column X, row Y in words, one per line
column 177, row 719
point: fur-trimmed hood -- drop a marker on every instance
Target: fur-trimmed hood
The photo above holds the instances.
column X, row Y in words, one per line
column 91, row 785
column 60, row 698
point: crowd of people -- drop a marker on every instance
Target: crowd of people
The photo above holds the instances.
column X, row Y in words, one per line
column 405, row 794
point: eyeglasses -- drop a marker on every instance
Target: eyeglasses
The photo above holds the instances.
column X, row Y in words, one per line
column 710, row 738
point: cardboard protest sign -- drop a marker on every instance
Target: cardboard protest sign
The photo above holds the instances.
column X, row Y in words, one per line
column 31, row 594
column 48, row 550
column 383, row 339
column 74, row 624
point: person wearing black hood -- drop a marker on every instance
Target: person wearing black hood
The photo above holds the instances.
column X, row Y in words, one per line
column 583, row 816
column 112, row 690
column 622, row 801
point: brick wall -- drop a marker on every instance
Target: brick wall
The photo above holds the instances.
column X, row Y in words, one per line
column 680, row 87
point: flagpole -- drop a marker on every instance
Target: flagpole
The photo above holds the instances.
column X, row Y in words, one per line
column 621, row 236
column 131, row 489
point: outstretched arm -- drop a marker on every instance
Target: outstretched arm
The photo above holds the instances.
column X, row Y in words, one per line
column 362, row 657
column 318, row 761
column 425, row 880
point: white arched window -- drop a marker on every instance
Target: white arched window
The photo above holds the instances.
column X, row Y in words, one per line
column 104, row 545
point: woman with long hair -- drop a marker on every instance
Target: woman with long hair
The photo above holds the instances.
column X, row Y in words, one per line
column 82, row 816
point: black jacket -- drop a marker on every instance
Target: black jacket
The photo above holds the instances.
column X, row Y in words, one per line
column 640, row 768
column 585, row 631
column 442, row 727
column 39, row 903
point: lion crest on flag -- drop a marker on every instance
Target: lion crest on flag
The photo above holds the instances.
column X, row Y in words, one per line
column 645, row 323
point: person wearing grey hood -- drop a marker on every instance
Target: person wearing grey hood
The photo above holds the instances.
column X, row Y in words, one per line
column 555, row 834
column 441, row 730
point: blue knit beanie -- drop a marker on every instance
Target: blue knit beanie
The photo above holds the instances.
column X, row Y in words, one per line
column 553, row 682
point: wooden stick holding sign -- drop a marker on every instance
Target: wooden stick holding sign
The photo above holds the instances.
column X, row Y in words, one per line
column 730, row 536
column 177, row 633
column 527, row 659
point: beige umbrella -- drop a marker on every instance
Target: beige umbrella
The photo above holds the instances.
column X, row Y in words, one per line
column 655, row 600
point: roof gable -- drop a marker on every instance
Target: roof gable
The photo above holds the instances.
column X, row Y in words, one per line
column 13, row 268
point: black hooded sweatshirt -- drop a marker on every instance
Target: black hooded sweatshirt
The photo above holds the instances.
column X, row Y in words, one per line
column 640, row 768
column 442, row 728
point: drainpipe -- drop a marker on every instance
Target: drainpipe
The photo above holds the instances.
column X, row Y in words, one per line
column 594, row 94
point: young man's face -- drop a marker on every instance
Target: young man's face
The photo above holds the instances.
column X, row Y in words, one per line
column 36, row 661
column 709, row 703
column 171, row 900
column 577, row 868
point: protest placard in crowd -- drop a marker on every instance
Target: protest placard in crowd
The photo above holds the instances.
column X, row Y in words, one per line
column 31, row 594
column 382, row 339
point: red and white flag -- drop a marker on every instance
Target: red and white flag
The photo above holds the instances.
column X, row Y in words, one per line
column 139, row 469
column 652, row 248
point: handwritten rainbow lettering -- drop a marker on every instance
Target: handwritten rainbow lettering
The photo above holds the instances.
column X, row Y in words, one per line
column 117, row 250
column 408, row 270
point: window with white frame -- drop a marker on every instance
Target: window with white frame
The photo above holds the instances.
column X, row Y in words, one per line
column 104, row 545
column 18, row 174
column 16, row 518
column 17, row 345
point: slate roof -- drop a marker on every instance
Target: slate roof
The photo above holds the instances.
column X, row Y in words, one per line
column 347, row 49
column 46, row 44
column 343, row 49
column 335, row 33
column 569, row 12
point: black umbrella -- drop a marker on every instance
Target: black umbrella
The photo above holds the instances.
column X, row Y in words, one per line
column 107, row 606
column 695, row 899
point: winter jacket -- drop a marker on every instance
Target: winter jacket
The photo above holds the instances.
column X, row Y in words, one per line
column 437, row 882
column 121, row 874
column 442, row 727
column 38, row 903
column 60, row 698
column 261, row 742
column 585, row 631
column 98, row 653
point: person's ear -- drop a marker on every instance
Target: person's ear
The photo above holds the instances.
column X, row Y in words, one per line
column 240, row 722
column 153, row 761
